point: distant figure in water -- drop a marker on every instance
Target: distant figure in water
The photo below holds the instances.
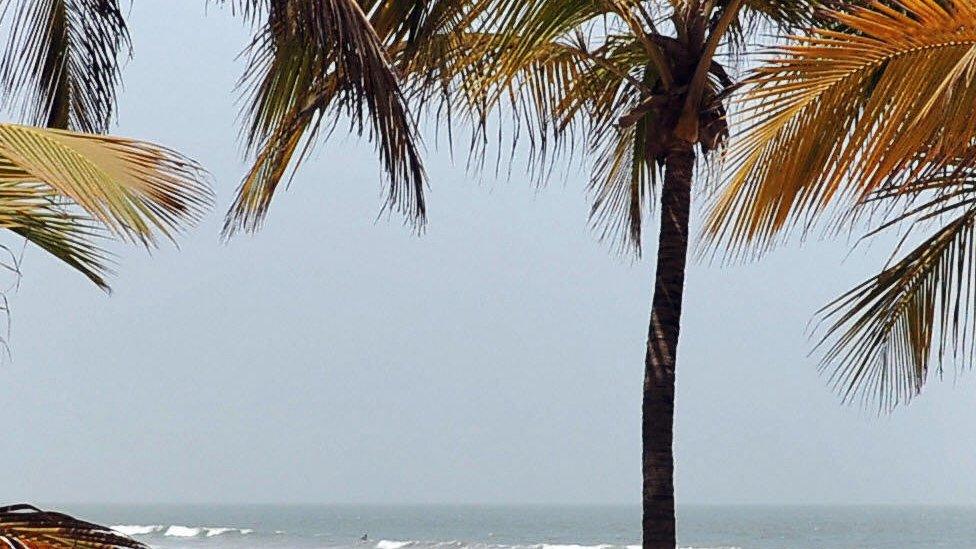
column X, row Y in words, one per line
column 365, row 536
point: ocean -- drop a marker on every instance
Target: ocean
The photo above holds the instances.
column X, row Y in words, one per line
column 533, row 527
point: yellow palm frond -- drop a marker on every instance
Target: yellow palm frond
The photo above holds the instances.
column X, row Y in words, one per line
column 871, row 116
column 838, row 115
column 135, row 189
column 63, row 190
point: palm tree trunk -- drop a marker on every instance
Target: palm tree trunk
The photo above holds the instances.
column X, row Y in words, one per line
column 662, row 345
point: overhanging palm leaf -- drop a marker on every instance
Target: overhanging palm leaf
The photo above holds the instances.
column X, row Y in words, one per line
column 534, row 59
column 541, row 81
column 27, row 527
column 315, row 59
column 60, row 189
column 851, row 107
column 61, row 63
column 883, row 333
column 40, row 215
column 872, row 114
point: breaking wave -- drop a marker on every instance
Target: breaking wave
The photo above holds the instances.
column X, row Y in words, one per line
column 136, row 530
column 387, row 544
column 178, row 531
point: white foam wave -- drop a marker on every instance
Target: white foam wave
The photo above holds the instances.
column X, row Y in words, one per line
column 572, row 546
column 183, row 531
column 178, row 531
column 136, row 529
column 389, row 544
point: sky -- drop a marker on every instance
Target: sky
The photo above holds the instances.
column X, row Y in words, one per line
column 339, row 358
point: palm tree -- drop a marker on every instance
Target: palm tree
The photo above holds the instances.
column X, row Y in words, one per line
column 25, row 526
column 636, row 83
column 871, row 119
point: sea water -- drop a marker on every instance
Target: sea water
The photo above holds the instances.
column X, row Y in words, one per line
column 533, row 527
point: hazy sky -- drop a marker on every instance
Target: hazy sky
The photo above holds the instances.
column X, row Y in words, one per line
column 498, row 358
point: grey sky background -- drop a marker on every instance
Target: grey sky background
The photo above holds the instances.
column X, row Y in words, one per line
column 497, row 359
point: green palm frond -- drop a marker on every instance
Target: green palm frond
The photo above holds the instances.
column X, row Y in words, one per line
column 64, row 190
column 884, row 334
column 541, row 87
column 761, row 19
column 622, row 186
column 61, row 64
column 562, row 91
column 319, row 59
column 35, row 212
column 27, row 527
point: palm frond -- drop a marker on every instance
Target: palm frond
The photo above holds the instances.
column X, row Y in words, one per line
column 41, row 216
column 884, row 334
column 563, row 91
column 65, row 191
column 135, row 189
column 621, row 187
column 575, row 76
column 26, row 527
column 61, row 63
column 541, row 89
column 839, row 115
column 315, row 59
column 760, row 20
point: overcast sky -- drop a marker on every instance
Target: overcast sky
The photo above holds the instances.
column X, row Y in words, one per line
column 498, row 358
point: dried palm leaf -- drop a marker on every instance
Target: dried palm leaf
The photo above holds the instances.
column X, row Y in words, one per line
column 27, row 527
